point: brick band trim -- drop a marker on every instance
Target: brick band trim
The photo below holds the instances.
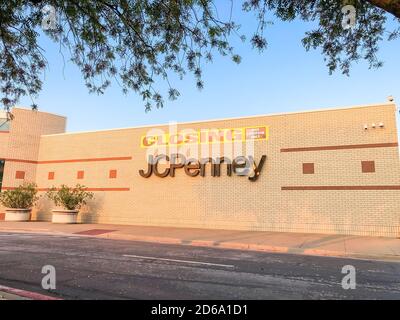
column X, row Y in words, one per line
column 342, row 147
column 85, row 160
column 69, row 160
column 87, row 189
column 4, row 131
column 20, row 160
column 393, row 187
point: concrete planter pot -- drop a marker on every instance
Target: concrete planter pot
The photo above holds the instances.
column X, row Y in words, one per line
column 18, row 214
column 65, row 216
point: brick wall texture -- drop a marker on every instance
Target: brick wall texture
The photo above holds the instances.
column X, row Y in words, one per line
column 338, row 198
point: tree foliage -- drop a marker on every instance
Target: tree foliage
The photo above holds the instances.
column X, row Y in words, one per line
column 137, row 42
column 22, row 197
column 70, row 198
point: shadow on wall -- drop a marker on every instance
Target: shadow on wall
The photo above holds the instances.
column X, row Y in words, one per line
column 88, row 213
column 42, row 212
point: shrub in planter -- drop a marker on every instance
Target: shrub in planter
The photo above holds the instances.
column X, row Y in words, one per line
column 71, row 199
column 19, row 202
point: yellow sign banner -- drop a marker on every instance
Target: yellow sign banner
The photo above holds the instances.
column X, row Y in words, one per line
column 206, row 136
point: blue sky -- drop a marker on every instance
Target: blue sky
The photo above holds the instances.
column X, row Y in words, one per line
column 283, row 78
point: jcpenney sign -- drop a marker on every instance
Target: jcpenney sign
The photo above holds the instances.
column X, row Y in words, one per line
column 241, row 166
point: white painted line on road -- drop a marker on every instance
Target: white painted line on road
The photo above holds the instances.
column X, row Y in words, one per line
column 18, row 236
column 182, row 261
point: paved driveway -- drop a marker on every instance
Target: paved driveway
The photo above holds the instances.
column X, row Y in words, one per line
column 94, row 268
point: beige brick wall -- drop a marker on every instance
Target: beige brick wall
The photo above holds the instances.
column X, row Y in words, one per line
column 4, row 144
column 235, row 202
column 21, row 144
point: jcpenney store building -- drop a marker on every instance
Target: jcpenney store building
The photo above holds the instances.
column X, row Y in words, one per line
column 326, row 171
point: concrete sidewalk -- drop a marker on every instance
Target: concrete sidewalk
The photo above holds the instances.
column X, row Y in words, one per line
column 374, row 248
column 7, row 293
column 9, row 296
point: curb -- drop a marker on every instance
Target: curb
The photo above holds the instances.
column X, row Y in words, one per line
column 219, row 245
column 26, row 294
column 252, row 247
column 164, row 240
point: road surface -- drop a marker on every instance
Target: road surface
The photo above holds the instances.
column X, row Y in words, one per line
column 94, row 268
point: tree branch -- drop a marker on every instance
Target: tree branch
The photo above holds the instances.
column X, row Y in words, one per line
column 391, row 6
